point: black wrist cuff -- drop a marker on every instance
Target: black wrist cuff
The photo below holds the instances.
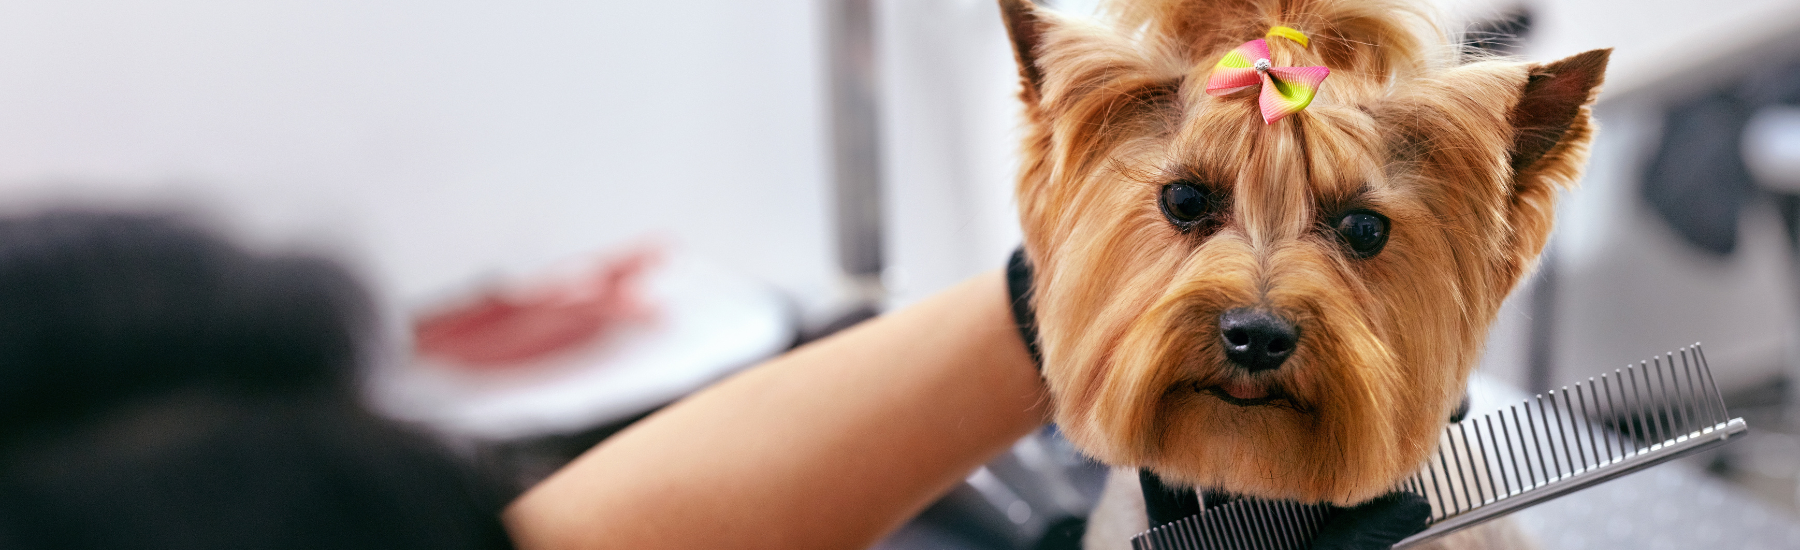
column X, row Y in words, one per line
column 1018, row 288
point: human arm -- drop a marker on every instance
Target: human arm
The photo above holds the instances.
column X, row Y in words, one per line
column 830, row 446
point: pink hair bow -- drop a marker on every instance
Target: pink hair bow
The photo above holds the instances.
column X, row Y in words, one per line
column 1285, row 90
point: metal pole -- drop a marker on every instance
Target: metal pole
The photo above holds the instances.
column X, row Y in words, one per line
column 855, row 145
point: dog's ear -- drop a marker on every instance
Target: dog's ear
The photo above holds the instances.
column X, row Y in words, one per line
column 1525, row 127
column 1086, row 88
column 1552, row 126
column 1026, row 29
column 1552, row 111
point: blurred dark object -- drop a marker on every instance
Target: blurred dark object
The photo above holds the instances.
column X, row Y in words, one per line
column 1501, row 35
column 97, row 307
column 1698, row 181
column 1065, row 534
column 855, row 315
column 161, row 388
column 214, row 470
column 1767, row 463
column 504, row 327
column 1035, row 497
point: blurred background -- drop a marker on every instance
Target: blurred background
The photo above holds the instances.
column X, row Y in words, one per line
column 568, row 214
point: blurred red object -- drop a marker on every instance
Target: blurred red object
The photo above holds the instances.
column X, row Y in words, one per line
column 506, row 327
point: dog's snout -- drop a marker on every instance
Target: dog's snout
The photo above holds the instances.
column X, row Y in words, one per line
column 1257, row 340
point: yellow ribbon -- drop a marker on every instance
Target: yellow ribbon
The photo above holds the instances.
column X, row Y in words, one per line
column 1288, row 33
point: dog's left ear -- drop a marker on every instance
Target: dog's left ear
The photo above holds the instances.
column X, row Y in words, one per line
column 1552, row 112
column 1523, row 126
column 1552, row 125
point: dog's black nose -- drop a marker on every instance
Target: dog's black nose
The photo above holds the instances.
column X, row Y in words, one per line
column 1256, row 339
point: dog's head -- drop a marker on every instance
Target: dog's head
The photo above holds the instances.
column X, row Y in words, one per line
column 1291, row 309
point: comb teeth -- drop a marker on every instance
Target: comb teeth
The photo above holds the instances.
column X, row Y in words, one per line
column 1488, row 466
column 1557, row 435
column 1243, row 524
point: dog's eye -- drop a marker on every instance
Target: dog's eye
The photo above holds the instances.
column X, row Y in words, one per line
column 1186, row 204
column 1364, row 231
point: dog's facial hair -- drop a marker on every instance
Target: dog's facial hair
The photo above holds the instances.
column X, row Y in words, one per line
column 1462, row 161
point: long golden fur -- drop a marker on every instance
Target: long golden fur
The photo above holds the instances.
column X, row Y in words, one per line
column 1464, row 158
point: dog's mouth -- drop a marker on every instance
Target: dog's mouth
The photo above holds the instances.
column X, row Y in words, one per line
column 1250, row 394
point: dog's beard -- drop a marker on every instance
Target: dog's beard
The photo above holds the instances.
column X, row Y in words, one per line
column 1343, row 420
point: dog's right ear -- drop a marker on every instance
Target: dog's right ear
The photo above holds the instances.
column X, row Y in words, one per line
column 1086, row 88
column 1026, row 29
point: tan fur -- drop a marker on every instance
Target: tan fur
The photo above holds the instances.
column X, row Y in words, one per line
column 1128, row 305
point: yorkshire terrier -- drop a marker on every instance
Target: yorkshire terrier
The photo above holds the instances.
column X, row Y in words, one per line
column 1268, row 236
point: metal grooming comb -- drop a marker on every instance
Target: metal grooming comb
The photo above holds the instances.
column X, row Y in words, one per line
column 1489, row 466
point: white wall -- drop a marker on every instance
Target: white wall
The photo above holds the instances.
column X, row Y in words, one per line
column 438, row 141
column 442, row 142
column 951, row 125
column 1660, row 42
column 1628, row 287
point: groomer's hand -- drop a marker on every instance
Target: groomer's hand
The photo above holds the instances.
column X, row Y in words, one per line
column 1375, row 525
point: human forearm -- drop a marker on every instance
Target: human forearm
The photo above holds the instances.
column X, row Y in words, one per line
column 830, row 446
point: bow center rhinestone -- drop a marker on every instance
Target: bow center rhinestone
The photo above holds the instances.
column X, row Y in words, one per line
column 1262, row 65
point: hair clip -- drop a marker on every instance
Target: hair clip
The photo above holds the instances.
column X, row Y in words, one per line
column 1285, row 90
